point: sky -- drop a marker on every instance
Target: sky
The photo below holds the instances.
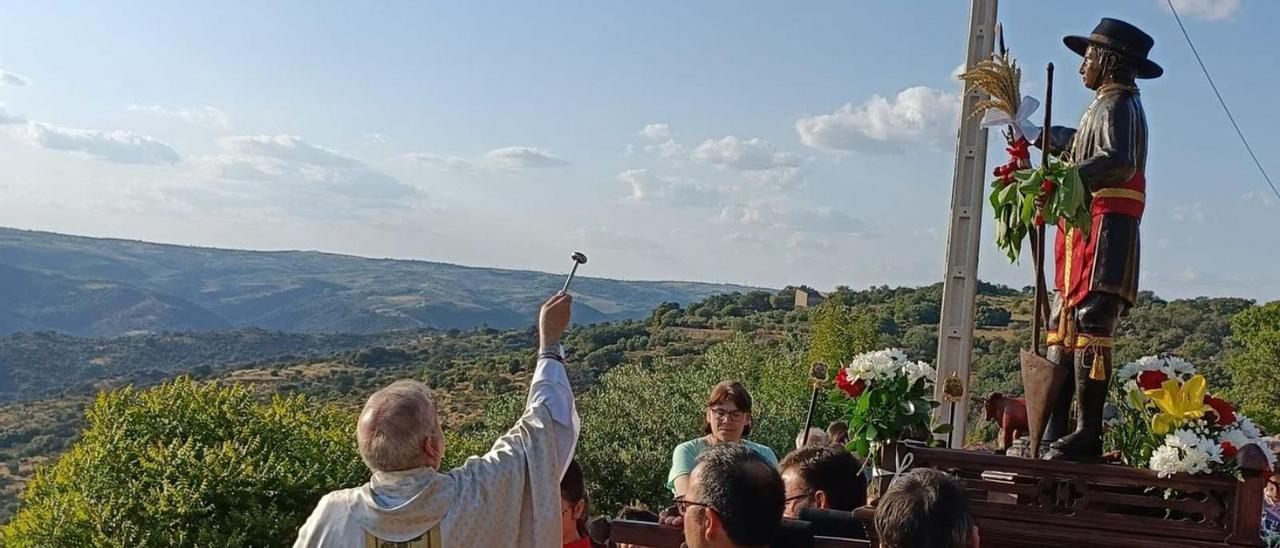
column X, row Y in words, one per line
column 750, row 142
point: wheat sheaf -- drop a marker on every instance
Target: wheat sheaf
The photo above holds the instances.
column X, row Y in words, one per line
column 998, row 77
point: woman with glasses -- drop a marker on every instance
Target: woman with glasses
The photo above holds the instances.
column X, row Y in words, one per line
column 727, row 420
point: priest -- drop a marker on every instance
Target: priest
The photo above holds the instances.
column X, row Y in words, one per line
column 508, row 497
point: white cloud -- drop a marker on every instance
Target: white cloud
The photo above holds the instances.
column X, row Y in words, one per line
column 656, row 132
column 1266, row 199
column 122, row 147
column 647, row 188
column 1163, row 243
column 442, row 162
column 1192, row 213
column 376, row 137
column 748, row 155
column 959, row 70
column 1208, row 10
column 521, row 158
column 205, row 116
column 287, row 148
column 666, row 150
column 806, row 219
column 15, row 80
column 780, row 178
column 917, row 115
column 506, row 159
column 7, row 118
column 291, row 167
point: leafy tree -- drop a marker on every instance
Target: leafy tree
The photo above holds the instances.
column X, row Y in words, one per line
column 655, row 318
column 839, row 334
column 1255, row 364
column 755, row 301
column 993, row 316
column 189, row 464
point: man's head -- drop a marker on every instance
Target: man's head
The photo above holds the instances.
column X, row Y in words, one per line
column 826, row 477
column 735, row 499
column 817, row 437
column 925, row 508
column 838, row 433
column 399, row 429
column 1102, row 65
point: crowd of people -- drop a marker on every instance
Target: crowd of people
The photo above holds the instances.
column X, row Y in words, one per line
column 727, row 490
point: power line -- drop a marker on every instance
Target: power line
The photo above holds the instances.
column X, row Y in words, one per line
column 1222, row 102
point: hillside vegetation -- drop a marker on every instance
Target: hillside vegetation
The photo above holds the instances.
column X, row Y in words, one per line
column 105, row 287
column 663, row 364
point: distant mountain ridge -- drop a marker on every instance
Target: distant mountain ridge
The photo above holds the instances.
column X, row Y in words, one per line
column 107, row 287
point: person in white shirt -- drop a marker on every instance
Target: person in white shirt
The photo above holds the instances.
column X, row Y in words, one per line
column 508, row 497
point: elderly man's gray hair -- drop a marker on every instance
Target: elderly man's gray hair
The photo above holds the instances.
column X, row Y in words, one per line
column 394, row 424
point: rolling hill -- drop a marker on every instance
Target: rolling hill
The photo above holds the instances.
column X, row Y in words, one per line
column 108, row 287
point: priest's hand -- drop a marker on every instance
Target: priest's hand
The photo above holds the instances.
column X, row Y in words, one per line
column 554, row 319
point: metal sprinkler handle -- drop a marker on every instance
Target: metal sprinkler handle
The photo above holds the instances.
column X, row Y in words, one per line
column 578, row 259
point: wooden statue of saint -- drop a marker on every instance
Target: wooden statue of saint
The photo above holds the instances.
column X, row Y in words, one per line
column 1096, row 275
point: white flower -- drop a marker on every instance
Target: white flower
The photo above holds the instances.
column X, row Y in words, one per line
column 1211, row 450
column 1172, row 366
column 1235, row 437
column 1166, row 461
column 1246, row 425
column 1179, row 366
column 1182, row 439
column 917, row 370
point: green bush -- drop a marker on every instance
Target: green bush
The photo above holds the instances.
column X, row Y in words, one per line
column 1255, row 365
column 189, row 464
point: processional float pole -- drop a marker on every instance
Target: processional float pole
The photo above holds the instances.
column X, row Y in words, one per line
column 817, row 375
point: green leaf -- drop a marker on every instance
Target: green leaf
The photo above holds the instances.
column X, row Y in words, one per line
column 942, row 429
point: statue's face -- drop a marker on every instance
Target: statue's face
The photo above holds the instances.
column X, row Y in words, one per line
column 1091, row 68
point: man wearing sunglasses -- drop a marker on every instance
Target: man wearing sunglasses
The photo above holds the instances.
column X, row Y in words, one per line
column 735, row 499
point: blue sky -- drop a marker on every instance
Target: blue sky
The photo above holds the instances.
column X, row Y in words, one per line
column 747, row 142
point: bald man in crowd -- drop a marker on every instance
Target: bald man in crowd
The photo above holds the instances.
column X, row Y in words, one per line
column 508, row 497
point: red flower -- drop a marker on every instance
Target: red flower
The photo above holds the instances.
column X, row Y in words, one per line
column 1226, row 414
column 1019, row 150
column 853, row 389
column 1046, row 186
column 1039, row 219
column 1151, row 380
column 1229, row 450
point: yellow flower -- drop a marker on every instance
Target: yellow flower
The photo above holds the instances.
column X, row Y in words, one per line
column 1178, row 404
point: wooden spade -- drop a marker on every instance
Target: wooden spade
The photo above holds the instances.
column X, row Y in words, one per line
column 1041, row 378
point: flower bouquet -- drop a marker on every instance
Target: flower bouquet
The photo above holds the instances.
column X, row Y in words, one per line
column 1166, row 421
column 1017, row 188
column 886, row 397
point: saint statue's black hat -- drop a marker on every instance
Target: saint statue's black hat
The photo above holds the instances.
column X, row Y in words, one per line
column 1122, row 38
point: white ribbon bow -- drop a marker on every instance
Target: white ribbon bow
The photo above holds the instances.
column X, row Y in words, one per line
column 1022, row 126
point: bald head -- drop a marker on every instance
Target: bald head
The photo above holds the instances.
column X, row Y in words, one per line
column 399, row 428
column 817, row 438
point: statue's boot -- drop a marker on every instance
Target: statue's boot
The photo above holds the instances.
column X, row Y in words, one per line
column 1060, row 410
column 1085, row 443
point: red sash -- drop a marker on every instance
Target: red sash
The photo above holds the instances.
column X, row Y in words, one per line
column 1074, row 254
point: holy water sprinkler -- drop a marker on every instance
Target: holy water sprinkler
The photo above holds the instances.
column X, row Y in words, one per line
column 578, row 259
